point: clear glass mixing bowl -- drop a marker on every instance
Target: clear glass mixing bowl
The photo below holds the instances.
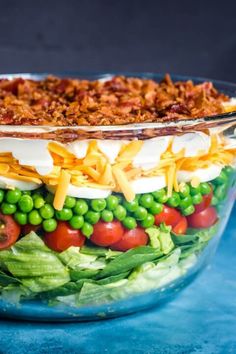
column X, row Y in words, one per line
column 93, row 282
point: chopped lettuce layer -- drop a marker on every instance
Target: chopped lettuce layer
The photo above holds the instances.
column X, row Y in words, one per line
column 93, row 275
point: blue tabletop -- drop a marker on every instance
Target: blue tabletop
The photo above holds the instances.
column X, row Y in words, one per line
column 202, row 319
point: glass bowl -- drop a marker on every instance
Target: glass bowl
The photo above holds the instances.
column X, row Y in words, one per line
column 182, row 177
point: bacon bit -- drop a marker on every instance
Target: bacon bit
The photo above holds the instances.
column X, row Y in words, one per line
column 121, row 100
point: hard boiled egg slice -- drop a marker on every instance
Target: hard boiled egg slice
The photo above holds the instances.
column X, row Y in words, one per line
column 148, row 184
column 29, row 153
column 78, row 148
column 203, row 174
column 149, row 155
column 10, row 183
column 84, row 192
column 192, row 143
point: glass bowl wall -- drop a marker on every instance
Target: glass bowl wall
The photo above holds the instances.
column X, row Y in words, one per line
column 152, row 281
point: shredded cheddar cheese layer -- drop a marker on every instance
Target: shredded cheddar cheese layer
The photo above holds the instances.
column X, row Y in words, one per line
column 95, row 170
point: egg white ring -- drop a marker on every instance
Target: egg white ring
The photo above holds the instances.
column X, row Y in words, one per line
column 204, row 174
column 11, row 183
column 83, row 192
column 148, row 184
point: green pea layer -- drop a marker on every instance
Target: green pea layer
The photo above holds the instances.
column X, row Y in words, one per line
column 36, row 207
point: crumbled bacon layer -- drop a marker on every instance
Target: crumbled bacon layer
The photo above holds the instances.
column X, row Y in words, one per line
column 121, row 100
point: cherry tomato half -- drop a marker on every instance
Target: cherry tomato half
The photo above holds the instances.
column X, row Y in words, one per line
column 205, row 202
column 63, row 237
column 131, row 239
column 9, row 231
column 169, row 216
column 181, row 227
column 107, row 233
column 204, row 219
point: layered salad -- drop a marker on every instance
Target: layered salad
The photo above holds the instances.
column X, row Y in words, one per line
column 100, row 215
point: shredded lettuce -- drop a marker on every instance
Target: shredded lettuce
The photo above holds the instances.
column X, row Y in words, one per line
column 34, row 264
column 74, row 259
column 94, row 275
column 160, row 237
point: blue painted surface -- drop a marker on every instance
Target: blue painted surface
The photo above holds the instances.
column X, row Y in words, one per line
column 202, row 319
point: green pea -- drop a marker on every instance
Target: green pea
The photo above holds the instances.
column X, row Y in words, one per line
column 46, row 211
column 195, row 190
column 26, row 192
column 120, row 198
column 159, row 194
column 184, row 190
column 49, row 225
column 131, row 206
column 148, row 222
column 215, row 201
column 25, row 203
column 36, row 195
column 13, row 196
column 197, row 199
column 120, row 213
column 69, row 202
column 107, row 215
column 228, row 170
column 185, row 202
column 205, row 188
column 98, row 204
column 188, row 211
column 64, row 214
column 174, row 200
column 221, row 179
column 81, row 207
column 92, row 217
column 87, row 229
column 129, row 222
column 38, row 202
column 146, row 200
column 8, row 209
column 1, row 195
column 112, row 202
column 221, row 192
column 156, row 208
column 76, row 222
column 49, row 198
column 34, row 218
column 140, row 213
column 21, row 218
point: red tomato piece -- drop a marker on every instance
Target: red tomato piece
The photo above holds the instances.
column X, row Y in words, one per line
column 9, row 231
column 205, row 202
column 26, row 229
column 131, row 239
column 204, row 219
column 63, row 237
column 107, row 233
column 181, row 227
column 169, row 216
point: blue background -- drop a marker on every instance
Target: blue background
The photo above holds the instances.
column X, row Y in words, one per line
column 202, row 319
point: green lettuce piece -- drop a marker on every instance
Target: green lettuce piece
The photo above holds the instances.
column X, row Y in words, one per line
column 160, row 237
column 129, row 260
column 78, row 274
column 99, row 252
column 74, row 259
column 13, row 293
column 34, row 264
column 6, row 279
column 146, row 277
